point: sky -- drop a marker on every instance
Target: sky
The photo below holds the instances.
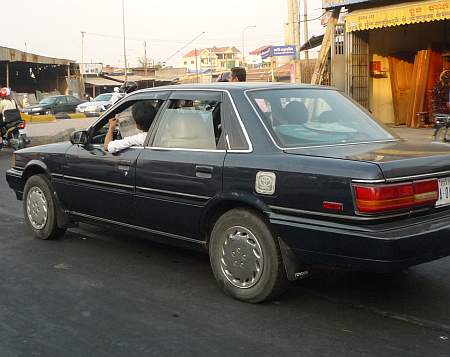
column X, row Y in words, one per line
column 53, row 28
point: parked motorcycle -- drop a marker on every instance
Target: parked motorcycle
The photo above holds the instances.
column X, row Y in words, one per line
column 13, row 130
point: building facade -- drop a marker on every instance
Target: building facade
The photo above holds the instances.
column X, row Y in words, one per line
column 214, row 59
column 389, row 55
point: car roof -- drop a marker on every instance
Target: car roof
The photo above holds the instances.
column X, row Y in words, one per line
column 243, row 86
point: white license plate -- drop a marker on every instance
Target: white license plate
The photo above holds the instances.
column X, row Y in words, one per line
column 23, row 131
column 444, row 192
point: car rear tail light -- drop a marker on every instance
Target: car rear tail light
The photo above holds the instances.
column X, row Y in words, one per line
column 21, row 125
column 383, row 198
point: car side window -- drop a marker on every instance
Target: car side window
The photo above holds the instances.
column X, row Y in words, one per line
column 72, row 100
column 127, row 126
column 61, row 100
column 190, row 124
column 234, row 130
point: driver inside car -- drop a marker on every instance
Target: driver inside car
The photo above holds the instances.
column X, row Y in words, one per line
column 143, row 114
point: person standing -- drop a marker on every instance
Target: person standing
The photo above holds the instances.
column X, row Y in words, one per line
column 238, row 74
column 6, row 103
column 441, row 94
column 116, row 95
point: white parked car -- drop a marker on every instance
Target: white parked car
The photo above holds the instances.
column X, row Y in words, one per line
column 96, row 106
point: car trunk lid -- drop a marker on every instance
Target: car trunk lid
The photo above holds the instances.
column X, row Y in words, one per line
column 397, row 159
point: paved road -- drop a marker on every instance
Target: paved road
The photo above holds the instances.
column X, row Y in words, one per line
column 104, row 293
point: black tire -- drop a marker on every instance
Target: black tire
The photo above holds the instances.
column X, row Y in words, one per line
column 39, row 185
column 263, row 285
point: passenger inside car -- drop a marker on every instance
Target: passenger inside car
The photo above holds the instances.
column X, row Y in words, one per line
column 295, row 112
column 143, row 114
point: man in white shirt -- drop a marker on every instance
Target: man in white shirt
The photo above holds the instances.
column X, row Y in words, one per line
column 6, row 103
column 143, row 114
column 116, row 95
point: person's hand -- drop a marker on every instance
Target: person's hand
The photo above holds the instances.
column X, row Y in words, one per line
column 113, row 123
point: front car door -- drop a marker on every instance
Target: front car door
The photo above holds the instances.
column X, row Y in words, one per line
column 98, row 184
column 180, row 169
column 61, row 105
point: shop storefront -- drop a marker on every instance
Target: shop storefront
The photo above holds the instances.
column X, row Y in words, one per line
column 394, row 54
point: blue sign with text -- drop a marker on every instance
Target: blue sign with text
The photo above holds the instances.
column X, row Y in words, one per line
column 274, row 51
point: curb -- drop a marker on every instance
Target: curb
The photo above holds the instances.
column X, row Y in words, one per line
column 50, row 118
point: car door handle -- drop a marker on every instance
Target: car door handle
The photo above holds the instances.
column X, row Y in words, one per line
column 203, row 171
column 124, row 164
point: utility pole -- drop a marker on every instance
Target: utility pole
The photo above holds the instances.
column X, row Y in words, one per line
column 294, row 33
column 7, row 74
column 210, row 66
column 124, row 41
column 305, row 33
column 145, row 58
column 83, row 33
column 243, row 43
column 196, row 64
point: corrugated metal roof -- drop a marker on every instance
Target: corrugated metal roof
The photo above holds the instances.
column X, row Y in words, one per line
column 132, row 77
column 100, row 81
column 12, row 55
column 312, row 43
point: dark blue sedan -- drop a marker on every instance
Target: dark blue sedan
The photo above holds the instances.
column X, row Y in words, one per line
column 270, row 179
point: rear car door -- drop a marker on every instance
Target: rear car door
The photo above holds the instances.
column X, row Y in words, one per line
column 180, row 169
column 72, row 103
column 100, row 184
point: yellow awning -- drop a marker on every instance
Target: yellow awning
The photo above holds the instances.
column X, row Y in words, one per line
column 399, row 14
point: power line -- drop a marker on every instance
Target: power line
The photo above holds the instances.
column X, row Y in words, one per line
column 316, row 18
column 182, row 48
column 153, row 40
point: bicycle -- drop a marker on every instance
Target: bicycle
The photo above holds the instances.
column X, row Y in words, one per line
column 441, row 126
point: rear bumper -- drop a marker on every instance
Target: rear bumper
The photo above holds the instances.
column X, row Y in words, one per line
column 14, row 178
column 374, row 248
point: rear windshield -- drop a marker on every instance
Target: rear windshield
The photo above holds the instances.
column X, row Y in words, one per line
column 312, row 117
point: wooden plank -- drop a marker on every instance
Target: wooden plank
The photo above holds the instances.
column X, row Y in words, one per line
column 321, row 63
column 420, row 78
column 393, row 67
column 413, row 89
column 400, row 72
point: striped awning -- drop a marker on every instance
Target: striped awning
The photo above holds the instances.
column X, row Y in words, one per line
column 399, row 14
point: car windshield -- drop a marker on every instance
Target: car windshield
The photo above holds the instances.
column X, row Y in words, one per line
column 103, row 97
column 312, row 117
column 48, row 100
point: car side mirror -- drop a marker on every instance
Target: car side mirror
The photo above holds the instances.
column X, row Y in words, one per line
column 79, row 137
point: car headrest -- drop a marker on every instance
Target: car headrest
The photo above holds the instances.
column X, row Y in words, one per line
column 295, row 113
column 191, row 130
